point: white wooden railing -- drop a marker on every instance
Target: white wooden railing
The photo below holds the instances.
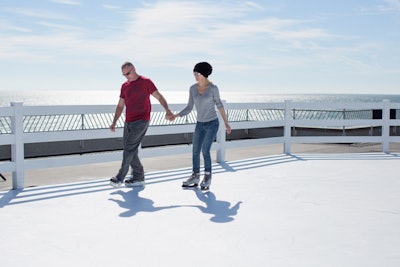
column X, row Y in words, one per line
column 17, row 137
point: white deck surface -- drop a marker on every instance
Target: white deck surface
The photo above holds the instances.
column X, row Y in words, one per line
column 284, row 210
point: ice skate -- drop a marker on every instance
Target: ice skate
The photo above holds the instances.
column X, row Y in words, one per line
column 114, row 182
column 205, row 184
column 134, row 183
column 193, row 180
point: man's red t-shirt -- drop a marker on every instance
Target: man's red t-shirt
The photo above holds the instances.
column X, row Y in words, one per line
column 137, row 98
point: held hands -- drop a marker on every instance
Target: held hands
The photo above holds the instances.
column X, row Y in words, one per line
column 170, row 116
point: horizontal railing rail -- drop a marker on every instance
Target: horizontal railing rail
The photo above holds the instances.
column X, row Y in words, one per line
column 20, row 125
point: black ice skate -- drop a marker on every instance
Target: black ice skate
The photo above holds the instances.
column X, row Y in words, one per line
column 114, row 182
column 193, row 180
column 205, row 184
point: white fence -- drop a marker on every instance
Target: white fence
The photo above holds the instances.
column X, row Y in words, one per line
column 17, row 137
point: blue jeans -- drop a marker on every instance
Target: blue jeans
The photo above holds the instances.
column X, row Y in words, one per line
column 203, row 137
column 133, row 135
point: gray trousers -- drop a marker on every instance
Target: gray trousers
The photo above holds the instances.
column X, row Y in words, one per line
column 133, row 135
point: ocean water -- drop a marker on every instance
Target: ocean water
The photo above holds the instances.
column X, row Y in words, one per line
column 40, row 98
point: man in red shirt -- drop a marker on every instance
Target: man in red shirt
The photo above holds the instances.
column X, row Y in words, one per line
column 135, row 97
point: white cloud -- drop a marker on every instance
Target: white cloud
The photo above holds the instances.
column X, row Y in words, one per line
column 66, row 2
column 236, row 36
column 61, row 27
column 38, row 13
column 6, row 26
column 172, row 33
column 166, row 30
column 389, row 6
column 109, row 6
column 393, row 4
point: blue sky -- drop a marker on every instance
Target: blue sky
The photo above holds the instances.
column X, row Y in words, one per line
column 291, row 46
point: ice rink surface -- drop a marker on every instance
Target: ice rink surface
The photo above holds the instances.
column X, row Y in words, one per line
column 279, row 210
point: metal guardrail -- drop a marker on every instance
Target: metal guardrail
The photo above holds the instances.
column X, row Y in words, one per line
column 27, row 124
column 5, row 124
column 74, row 122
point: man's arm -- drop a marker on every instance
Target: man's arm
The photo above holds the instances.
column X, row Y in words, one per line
column 163, row 103
column 118, row 111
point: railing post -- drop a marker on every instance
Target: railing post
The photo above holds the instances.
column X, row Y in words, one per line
column 287, row 128
column 385, row 126
column 344, row 118
column 82, row 142
column 221, row 138
column 17, row 148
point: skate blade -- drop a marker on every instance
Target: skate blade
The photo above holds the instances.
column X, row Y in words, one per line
column 205, row 188
column 189, row 186
column 116, row 185
column 135, row 186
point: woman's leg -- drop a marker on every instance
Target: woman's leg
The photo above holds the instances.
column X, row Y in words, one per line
column 211, row 129
column 197, row 142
